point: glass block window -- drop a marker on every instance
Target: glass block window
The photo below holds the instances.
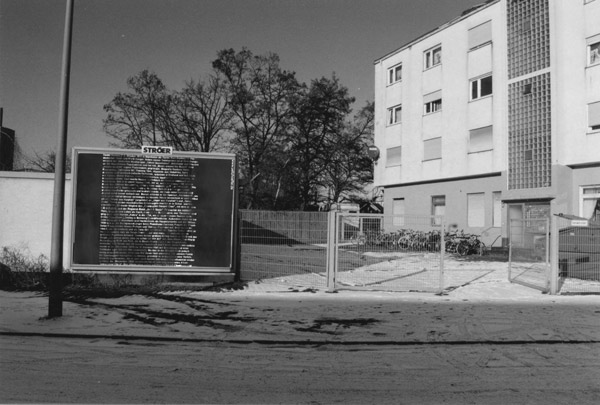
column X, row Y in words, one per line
column 529, row 127
column 528, row 36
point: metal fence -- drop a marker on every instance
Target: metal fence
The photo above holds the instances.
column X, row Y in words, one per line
column 529, row 253
column 577, row 263
column 380, row 252
column 284, row 247
column 336, row 250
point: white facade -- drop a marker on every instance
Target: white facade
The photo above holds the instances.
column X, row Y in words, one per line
column 493, row 113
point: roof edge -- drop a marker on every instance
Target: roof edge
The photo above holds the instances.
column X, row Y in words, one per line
column 465, row 14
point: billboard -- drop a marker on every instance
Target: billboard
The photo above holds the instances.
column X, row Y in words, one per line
column 153, row 210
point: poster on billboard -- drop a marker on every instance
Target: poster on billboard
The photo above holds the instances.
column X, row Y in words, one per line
column 153, row 210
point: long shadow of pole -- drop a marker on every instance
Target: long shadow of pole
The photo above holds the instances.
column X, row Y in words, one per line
column 55, row 302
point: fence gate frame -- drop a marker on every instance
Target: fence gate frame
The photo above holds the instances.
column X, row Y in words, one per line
column 334, row 232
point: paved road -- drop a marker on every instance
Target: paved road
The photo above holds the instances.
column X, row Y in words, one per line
column 83, row 370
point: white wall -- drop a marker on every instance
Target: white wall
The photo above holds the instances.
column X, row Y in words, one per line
column 26, row 201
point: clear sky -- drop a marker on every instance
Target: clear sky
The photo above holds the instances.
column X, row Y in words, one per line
column 178, row 40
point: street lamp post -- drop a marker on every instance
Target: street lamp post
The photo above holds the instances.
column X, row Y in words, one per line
column 58, row 208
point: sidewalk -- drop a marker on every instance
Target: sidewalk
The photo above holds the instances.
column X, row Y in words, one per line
column 487, row 311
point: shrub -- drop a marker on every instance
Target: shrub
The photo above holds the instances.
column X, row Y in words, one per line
column 20, row 271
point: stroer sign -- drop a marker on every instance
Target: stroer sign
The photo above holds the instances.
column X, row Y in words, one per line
column 153, row 210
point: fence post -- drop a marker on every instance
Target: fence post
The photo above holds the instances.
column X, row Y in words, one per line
column 442, row 252
column 553, row 255
column 510, row 248
column 332, row 220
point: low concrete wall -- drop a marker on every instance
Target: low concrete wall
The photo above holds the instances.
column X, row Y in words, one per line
column 26, row 201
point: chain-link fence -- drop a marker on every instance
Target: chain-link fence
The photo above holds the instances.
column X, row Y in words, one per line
column 284, row 247
column 529, row 253
column 578, row 258
column 384, row 252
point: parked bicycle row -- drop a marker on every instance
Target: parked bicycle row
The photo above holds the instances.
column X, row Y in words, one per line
column 456, row 242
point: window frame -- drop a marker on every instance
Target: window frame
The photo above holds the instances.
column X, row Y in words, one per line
column 432, row 107
column 392, row 77
column 398, row 219
column 437, row 221
column 596, row 46
column 477, row 82
column 497, row 209
column 591, row 196
column 593, row 117
column 428, row 57
column 473, row 198
column 393, row 117
column 387, row 155
column 480, row 131
column 425, row 157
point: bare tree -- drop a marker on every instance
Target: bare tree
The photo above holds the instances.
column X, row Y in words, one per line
column 259, row 93
column 202, row 115
column 142, row 115
column 44, row 162
column 350, row 168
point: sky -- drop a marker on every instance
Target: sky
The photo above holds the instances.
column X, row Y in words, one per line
column 178, row 40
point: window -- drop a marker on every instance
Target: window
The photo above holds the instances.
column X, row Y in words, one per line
column 590, row 203
column 398, row 210
column 395, row 115
column 481, row 139
column 528, row 155
column 594, row 50
column 482, row 34
column 432, row 149
column 594, row 116
column 432, row 102
column 394, row 156
column 476, row 210
column 433, row 106
column 438, row 209
column 395, row 74
column 481, row 87
column 497, row 209
column 528, row 88
column 433, row 57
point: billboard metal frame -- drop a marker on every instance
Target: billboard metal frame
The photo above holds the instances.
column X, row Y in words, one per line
column 232, row 269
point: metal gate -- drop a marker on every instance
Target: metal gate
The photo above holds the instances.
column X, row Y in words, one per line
column 576, row 263
column 529, row 253
column 384, row 252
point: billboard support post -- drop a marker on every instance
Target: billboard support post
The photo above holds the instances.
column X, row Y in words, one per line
column 55, row 306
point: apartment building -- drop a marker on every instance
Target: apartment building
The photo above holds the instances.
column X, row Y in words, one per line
column 492, row 116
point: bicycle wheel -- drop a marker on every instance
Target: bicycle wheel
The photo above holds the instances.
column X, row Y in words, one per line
column 463, row 248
